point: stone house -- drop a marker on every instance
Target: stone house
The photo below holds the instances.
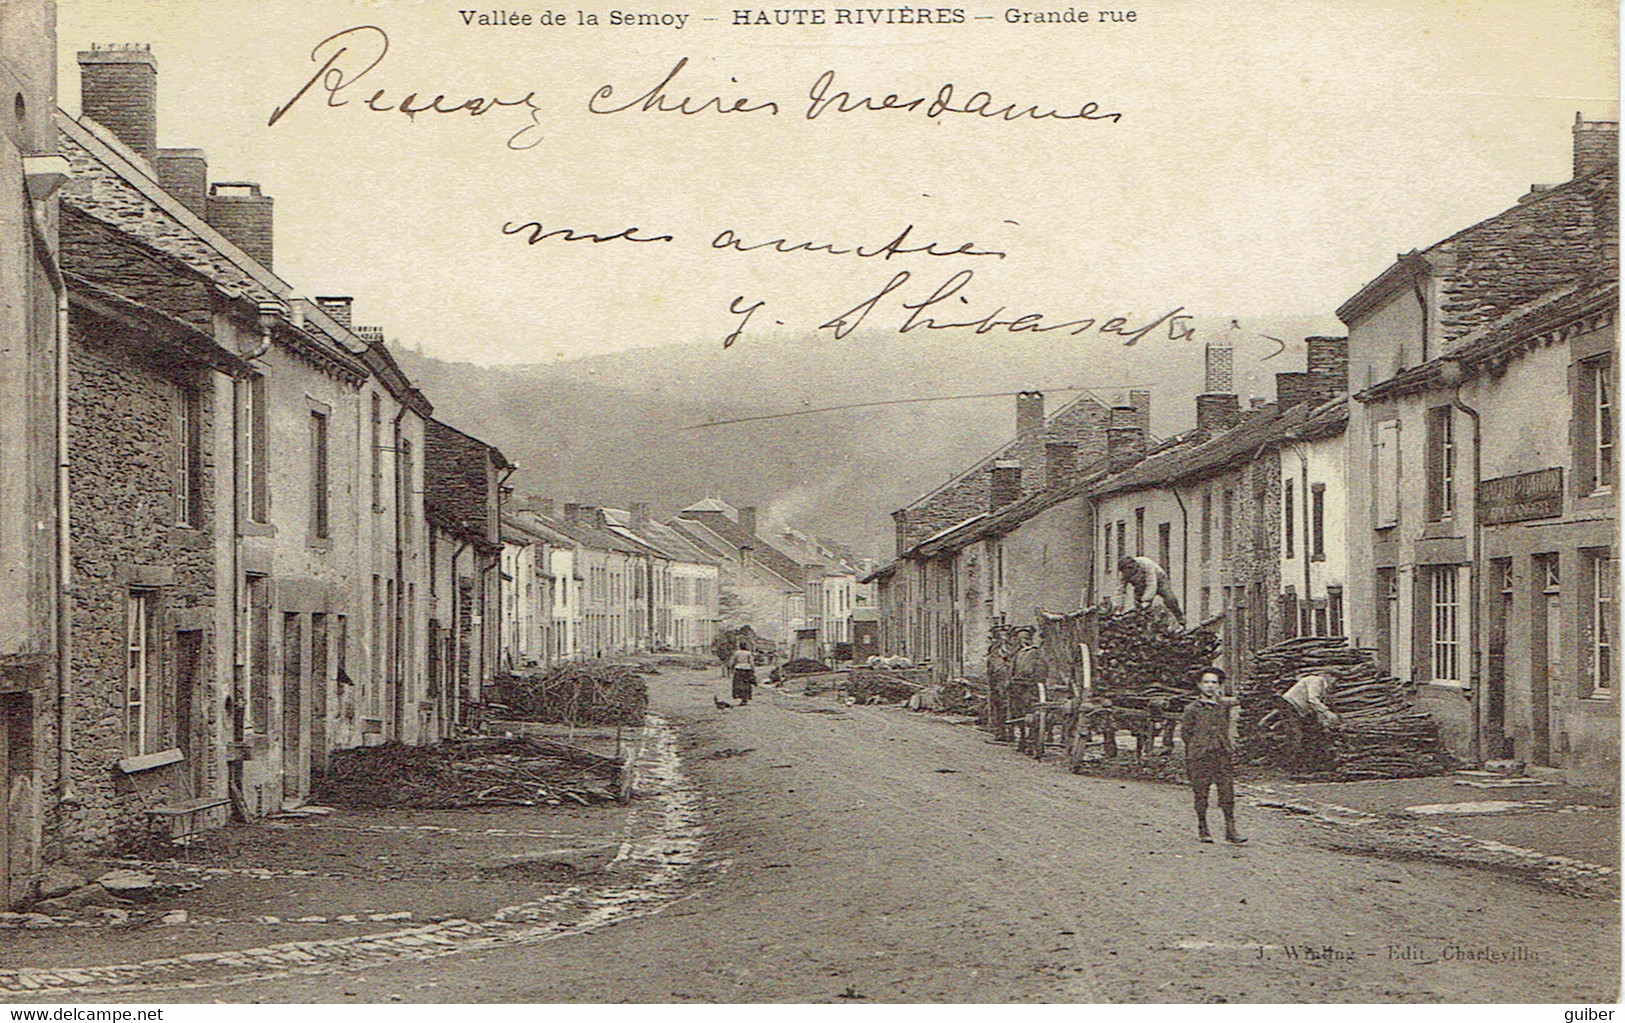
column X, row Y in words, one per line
column 764, row 586
column 31, row 392
column 1483, row 559
column 463, row 489
column 686, row 593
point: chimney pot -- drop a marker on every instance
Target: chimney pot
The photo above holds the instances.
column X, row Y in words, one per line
column 747, row 519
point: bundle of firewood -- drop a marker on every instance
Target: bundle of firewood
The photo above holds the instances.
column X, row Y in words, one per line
column 581, row 692
column 1382, row 734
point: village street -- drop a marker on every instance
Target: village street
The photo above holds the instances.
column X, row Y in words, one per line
column 864, row 852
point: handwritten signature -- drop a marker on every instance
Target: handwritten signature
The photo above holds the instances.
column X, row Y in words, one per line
column 923, row 315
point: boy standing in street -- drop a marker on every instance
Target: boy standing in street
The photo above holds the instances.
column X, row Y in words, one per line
column 1208, row 727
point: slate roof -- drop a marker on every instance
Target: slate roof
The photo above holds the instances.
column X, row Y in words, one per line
column 1560, row 237
column 1550, row 318
column 738, row 536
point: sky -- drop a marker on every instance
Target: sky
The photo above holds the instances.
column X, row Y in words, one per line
column 1267, row 158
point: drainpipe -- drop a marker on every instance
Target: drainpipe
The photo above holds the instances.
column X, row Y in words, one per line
column 1184, row 554
column 63, row 597
column 456, row 685
column 401, row 491
column 1451, row 375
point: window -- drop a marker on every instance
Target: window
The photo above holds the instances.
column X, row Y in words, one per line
column 1207, row 525
column 1444, row 624
column 1122, row 539
column 142, row 675
column 1385, row 475
column 1165, row 544
column 1287, row 517
column 1139, row 532
column 258, row 451
column 1228, row 512
column 189, row 464
column 377, row 453
column 1317, row 522
column 1594, row 418
column 1601, row 585
column 1207, row 602
column 319, row 525
column 1441, row 463
column 1334, row 610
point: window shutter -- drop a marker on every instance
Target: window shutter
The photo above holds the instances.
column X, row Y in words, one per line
column 1386, row 496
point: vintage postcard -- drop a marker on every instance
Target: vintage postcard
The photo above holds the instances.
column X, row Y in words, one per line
column 630, row 502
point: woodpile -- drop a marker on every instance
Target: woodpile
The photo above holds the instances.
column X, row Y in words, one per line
column 580, row 693
column 460, row 773
column 1382, row 734
column 887, row 685
column 799, row 666
column 1141, row 658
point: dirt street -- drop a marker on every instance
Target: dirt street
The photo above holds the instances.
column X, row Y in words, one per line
column 874, row 854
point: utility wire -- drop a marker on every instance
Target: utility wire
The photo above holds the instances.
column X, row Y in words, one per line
column 904, row 401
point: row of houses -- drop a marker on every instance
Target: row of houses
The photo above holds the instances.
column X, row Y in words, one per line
column 235, row 537
column 1439, row 486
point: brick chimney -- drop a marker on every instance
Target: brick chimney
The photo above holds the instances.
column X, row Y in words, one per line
column 1030, row 432
column 747, row 519
column 1328, row 359
column 237, row 210
column 1060, row 464
column 184, row 174
column 572, row 512
column 899, row 520
column 544, row 507
column 338, row 307
column 1140, row 401
column 1216, row 413
column 1596, row 144
column 118, row 89
column 1294, row 389
column 640, row 514
column 1004, row 484
column 1219, row 377
column 1125, row 440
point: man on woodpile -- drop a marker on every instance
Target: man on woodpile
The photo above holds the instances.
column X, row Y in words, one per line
column 1208, row 727
column 1149, row 581
column 1308, row 717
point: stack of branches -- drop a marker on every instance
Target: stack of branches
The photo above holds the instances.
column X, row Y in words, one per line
column 483, row 771
column 799, row 666
column 1142, row 658
column 578, row 693
column 876, row 685
column 1382, row 734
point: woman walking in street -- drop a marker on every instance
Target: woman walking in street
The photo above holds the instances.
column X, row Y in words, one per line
column 1208, row 727
column 744, row 672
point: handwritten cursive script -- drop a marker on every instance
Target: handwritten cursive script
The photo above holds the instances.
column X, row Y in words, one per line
column 568, row 234
column 656, row 100
column 980, row 103
column 343, row 60
column 918, row 318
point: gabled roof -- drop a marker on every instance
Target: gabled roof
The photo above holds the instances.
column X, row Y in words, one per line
column 1550, row 318
column 1555, row 239
column 739, row 537
column 1007, row 519
column 706, row 538
column 712, row 504
column 543, row 529
column 672, row 544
